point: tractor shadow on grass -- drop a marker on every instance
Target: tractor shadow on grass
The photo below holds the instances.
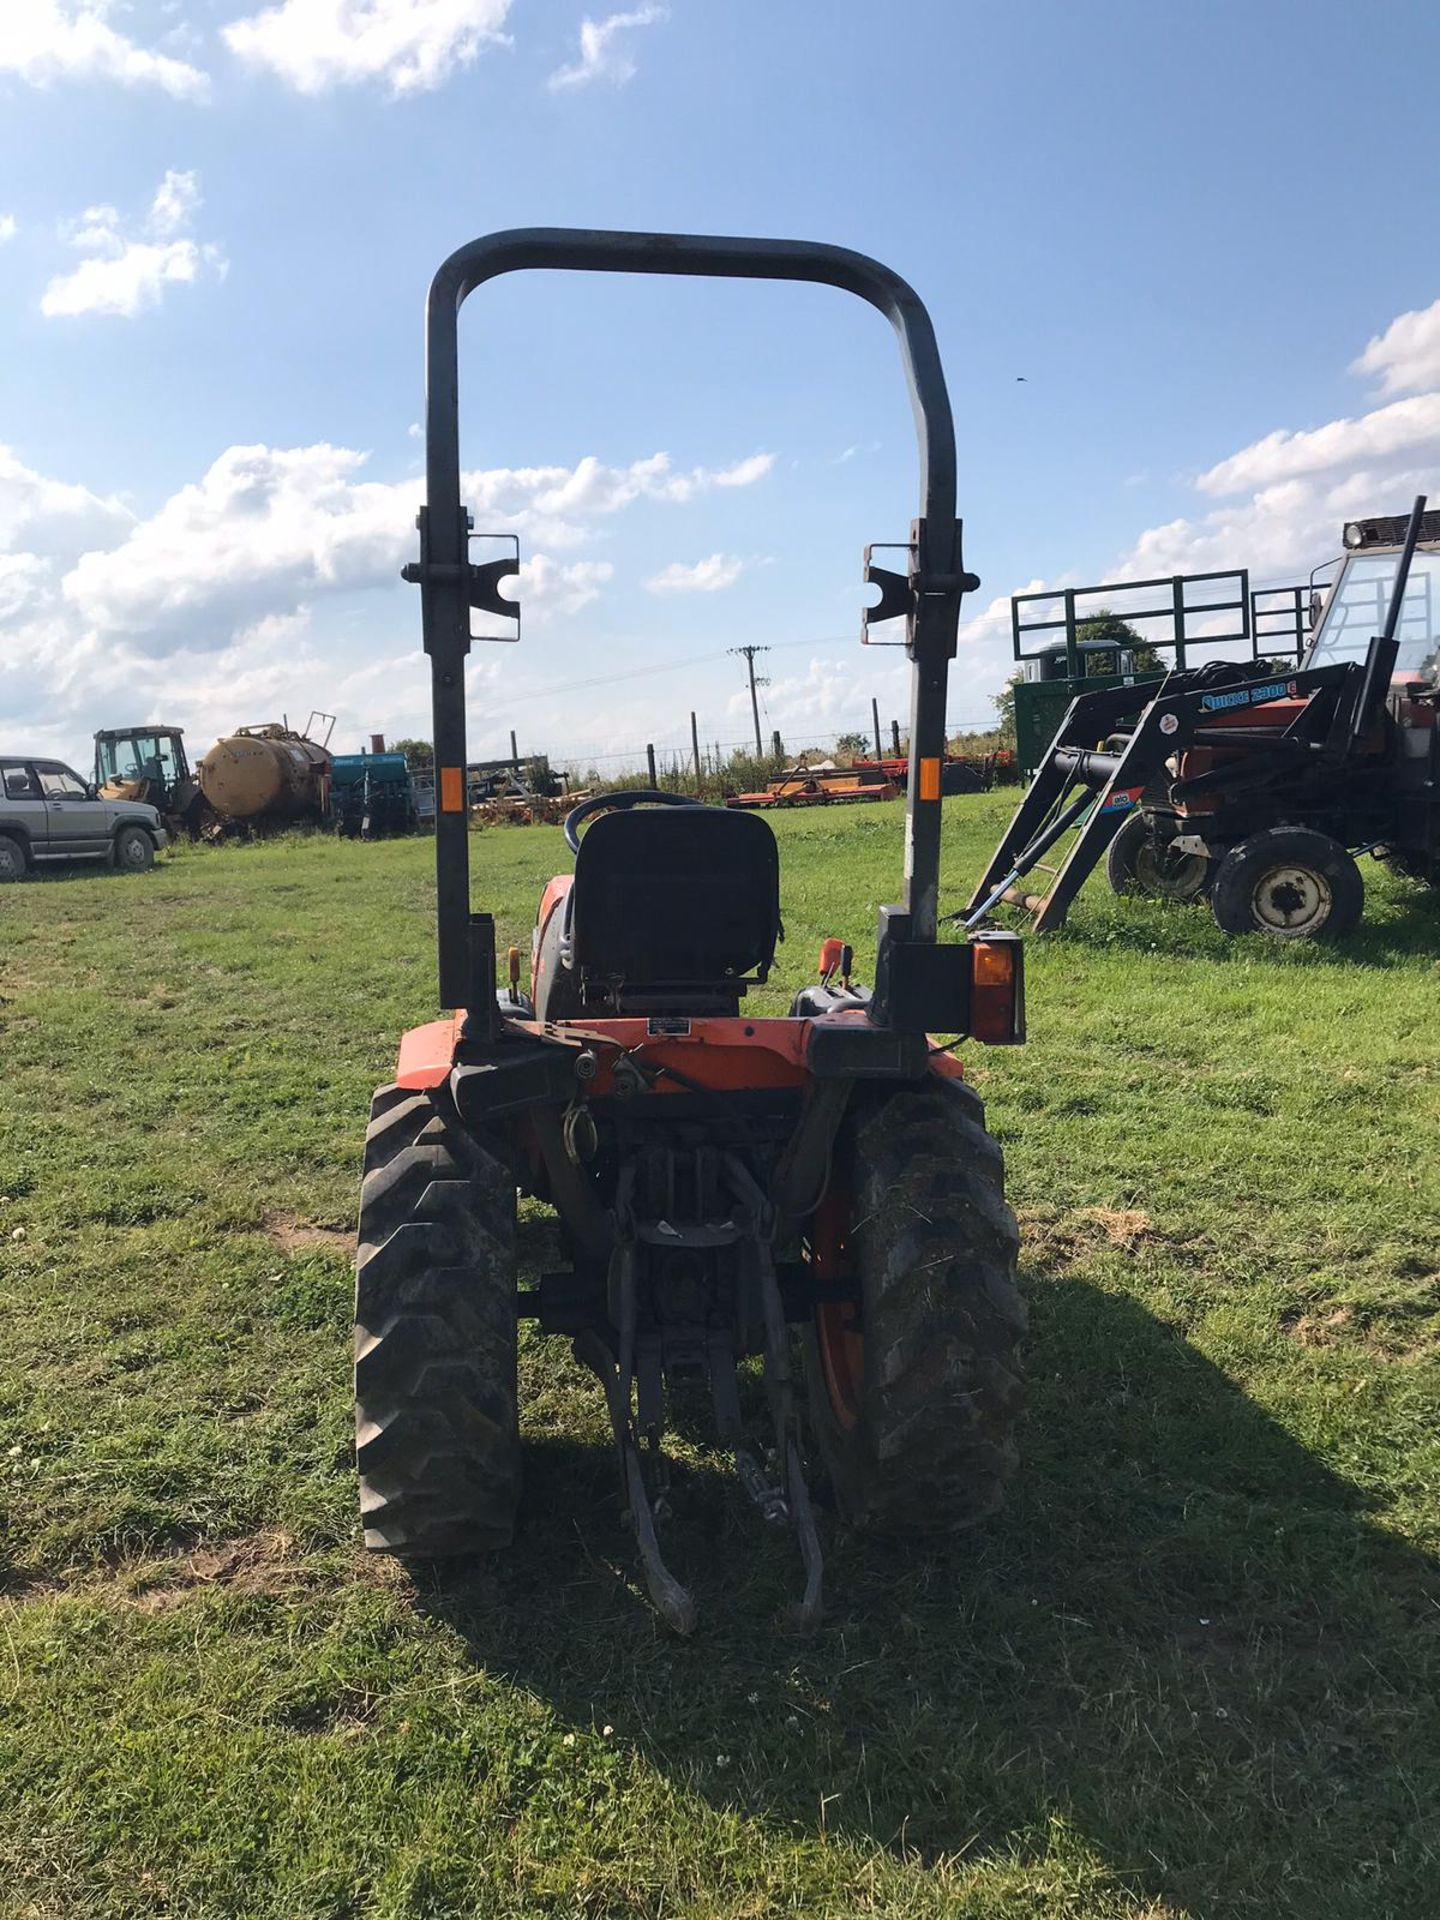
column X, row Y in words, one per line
column 1184, row 1640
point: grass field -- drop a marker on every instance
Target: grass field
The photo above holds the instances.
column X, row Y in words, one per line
column 1191, row 1671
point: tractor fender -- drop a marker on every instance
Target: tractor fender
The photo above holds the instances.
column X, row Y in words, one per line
column 554, row 898
column 427, row 1054
column 554, row 986
column 943, row 1064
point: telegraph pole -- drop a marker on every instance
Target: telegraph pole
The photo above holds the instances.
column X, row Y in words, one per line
column 875, row 717
column 695, row 744
column 749, row 654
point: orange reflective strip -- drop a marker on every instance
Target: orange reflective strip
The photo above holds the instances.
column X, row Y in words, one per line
column 452, row 790
column 929, row 779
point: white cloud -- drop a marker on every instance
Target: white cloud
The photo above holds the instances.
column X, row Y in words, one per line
column 1291, row 492
column 266, row 529
column 413, row 45
column 589, row 487
column 46, row 40
column 52, row 517
column 744, row 473
column 550, row 502
column 546, row 587
column 284, row 665
column 1406, row 357
column 8, row 227
column 228, row 601
column 721, row 570
column 75, row 655
column 177, row 200
column 24, row 578
column 133, row 279
column 259, row 533
column 1280, row 532
column 831, row 694
column 1403, row 428
column 126, row 273
column 820, row 698
column 603, row 55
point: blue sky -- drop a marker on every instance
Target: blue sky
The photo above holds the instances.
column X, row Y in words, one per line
column 1205, row 236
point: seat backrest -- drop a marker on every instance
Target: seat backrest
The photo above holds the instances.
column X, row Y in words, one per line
column 676, row 897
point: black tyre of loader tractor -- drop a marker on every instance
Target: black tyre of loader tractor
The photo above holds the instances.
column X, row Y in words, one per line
column 436, row 1424
column 1133, row 866
column 1290, row 882
column 914, row 1401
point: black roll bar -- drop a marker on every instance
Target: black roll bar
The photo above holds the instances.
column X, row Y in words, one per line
column 928, row 595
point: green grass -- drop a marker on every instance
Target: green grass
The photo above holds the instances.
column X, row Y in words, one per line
column 1191, row 1671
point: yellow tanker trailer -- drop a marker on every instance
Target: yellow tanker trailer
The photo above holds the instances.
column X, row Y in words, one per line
column 266, row 773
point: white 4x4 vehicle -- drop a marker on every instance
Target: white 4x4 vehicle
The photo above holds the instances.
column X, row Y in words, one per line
column 48, row 813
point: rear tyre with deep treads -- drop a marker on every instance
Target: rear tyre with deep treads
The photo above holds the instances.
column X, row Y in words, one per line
column 914, row 1408
column 436, row 1425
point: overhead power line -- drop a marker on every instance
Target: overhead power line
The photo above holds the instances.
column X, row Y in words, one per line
column 691, row 660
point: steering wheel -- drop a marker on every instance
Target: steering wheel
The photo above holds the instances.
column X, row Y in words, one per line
column 620, row 802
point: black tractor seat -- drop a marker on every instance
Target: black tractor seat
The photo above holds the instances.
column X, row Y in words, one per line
column 674, row 909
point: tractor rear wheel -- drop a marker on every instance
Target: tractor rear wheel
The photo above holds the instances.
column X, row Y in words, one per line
column 1133, row 866
column 436, row 1426
column 1290, row 882
column 915, row 1397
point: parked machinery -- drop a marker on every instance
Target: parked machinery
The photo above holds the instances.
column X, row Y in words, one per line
column 371, row 795
column 268, row 773
column 816, row 1191
column 818, row 787
column 1256, row 789
column 1071, row 640
column 959, row 772
column 149, row 764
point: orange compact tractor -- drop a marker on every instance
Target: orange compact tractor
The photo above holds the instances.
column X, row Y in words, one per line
column 818, row 1190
